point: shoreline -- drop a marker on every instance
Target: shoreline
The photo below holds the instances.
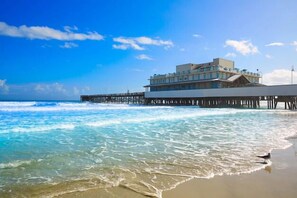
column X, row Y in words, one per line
column 274, row 181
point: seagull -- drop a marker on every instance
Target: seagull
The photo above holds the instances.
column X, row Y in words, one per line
column 265, row 157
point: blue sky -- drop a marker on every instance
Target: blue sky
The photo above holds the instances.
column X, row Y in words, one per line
column 61, row 49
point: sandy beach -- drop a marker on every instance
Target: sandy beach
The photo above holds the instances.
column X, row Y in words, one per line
column 277, row 180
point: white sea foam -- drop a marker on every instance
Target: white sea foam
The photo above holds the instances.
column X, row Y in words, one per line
column 15, row 164
column 165, row 117
column 67, row 106
column 39, row 128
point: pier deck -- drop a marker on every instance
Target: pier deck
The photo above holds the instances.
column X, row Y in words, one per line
column 249, row 97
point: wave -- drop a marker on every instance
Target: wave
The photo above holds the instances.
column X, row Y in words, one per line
column 164, row 117
column 67, row 106
column 45, row 104
column 39, row 128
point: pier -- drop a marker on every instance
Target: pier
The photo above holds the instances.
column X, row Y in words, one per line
column 127, row 98
column 247, row 97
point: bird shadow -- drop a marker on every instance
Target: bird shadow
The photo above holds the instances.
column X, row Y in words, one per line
column 262, row 162
column 267, row 168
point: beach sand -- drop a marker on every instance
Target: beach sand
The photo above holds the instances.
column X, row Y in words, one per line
column 275, row 181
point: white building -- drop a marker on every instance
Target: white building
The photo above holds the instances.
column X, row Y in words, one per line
column 220, row 73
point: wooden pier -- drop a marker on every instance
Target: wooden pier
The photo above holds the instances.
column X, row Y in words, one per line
column 127, row 98
column 246, row 97
column 221, row 102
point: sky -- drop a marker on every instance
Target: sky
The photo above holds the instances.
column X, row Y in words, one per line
column 59, row 50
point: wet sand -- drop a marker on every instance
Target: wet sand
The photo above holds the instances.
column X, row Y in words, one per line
column 275, row 181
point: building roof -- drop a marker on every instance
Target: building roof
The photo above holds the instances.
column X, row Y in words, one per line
column 237, row 76
column 234, row 77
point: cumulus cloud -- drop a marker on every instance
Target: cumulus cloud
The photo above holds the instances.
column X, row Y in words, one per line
column 138, row 43
column 4, row 88
column 244, row 47
column 46, row 33
column 69, row 45
column 143, row 57
column 275, row 44
column 126, row 43
column 230, row 55
column 279, row 76
column 70, row 28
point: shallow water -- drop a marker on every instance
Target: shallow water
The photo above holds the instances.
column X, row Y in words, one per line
column 51, row 148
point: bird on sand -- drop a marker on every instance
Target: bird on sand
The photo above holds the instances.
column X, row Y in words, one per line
column 265, row 157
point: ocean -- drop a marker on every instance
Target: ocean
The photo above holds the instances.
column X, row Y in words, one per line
column 52, row 148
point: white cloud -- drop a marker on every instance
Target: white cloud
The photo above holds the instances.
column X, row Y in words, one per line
column 294, row 44
column 268, row 56
column 182, row 49
column 275, row 44
column 244, row 47
column 279, row 76
column 230, row 55
column 126, row 43
column 50, row 88
column 70, row 29
column 197, row 35
column 121, row 47
column 143, row 57
column 69, row 45
column 138, row 42
column 4, row 88
column 46, row 33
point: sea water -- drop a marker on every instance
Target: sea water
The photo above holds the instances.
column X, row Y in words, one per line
column 52, row 148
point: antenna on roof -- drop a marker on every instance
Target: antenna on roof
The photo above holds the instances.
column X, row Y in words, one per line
column 292, row 74
column 261, row 75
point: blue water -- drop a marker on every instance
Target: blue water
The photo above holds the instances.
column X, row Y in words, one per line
column 51, row 148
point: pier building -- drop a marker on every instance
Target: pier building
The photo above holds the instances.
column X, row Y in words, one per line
column 220, row 73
